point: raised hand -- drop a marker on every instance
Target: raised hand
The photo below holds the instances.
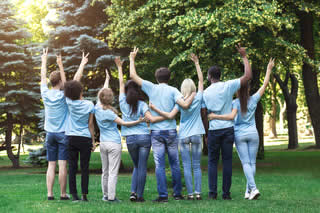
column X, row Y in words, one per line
column 84, row 59
column 118, row 61
column 44, row 54
column 134, row 53
column 271, row 64
column 194, row 58
column 241, row 50
column 59, row 59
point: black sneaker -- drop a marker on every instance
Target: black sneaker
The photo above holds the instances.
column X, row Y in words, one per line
column 226, row 197
column 212, row 196
column 190, row 197
column 51, row 198
column 75, row 198
column 65, row 198
column 133, row 197
column 178, row 197
column 140, row 200
column 161, row 200
column 84, row 198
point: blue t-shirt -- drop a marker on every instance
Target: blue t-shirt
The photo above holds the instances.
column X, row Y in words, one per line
column 164, row 98
column 108, row 128
column 246, row 124
column 190, row 119
column 218, row 99
column 78, row 119
column 55, row 108
column 139, row 129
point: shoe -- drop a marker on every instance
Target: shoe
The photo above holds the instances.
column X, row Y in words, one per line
column 51, row 198
column 75, row 198
column 198, row 197
column 178, row 197
column 190, row 197
column 84, row 198
column 226, row 197
column 161, row 200
column 115, row 200
column 212, row 196
column 246, row 195
column 104, row 198
column 140, row 200
column 133, row 197
column 254, row 194
column 67, row 197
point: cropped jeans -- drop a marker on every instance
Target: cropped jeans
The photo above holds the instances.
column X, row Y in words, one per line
column 193, row 145
column 139, row 149
column 247, row 147
column 165, row 141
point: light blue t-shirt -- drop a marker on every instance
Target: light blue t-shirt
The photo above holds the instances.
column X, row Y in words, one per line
column 246, row 124
column 139, row 129
column 218, row 99
column 78, row 119
column 55, row 108
column 108, row 128
column 190, row 119
column 164, row 98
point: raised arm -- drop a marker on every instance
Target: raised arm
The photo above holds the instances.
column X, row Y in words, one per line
column 229, row 116
column 121, row 82
column 167, row 115
column 62, row 73
column 195, row 59
column 91, row 130
column 133, row 74
column 106, row 82
column 247, row 68
column 121, row 122
column 186, row 103
column 44, row 66
column 267, row 78
column 79, row 72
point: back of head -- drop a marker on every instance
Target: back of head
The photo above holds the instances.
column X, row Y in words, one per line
column 55, row 78
column 214, row 73
column 133, row 95
column 188, row 87
column 73, row 90
column 105, row 96
column 243, row 95
column 162, row 75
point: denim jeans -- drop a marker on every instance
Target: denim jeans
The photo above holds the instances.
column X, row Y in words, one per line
column 57, row 146
column 220, row 140
column 191, row 144
column 247, row 147
column 139, row 149
column 165, row 141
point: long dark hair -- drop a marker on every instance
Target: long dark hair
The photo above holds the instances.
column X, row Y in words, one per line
column 133, row 95
column 243, row 95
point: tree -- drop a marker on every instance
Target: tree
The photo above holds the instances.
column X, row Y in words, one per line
column 19, row 89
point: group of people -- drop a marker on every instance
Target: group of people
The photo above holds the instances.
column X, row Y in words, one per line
column 69, row 125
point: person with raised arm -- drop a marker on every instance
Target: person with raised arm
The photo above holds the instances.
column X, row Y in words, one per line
column 56, row 113
column 218, row 99
column 110, row 140
column 246, row 134
column 164, row 133
column 190, row 132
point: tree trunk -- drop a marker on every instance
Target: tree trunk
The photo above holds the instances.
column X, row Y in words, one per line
column 309, row 76
column 292, row 125
column 8, row 141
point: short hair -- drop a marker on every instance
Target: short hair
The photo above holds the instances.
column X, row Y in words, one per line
column 163, row 75
column 188, row 87
column 55, row 78
column 73, row 90
column 214, row 72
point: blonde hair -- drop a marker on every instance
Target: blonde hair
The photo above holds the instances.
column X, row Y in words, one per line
column 188, row 87
column 105, row 97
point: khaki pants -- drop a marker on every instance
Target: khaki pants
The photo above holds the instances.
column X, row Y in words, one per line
column 110, row 156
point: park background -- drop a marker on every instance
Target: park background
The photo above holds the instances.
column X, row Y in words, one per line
column 166, row 32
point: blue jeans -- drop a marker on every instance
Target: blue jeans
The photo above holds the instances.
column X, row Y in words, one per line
column 139, row 149
column 165, row 141
column 57, row 146
column 220, row 140
column 191, row 144
column 247, row 147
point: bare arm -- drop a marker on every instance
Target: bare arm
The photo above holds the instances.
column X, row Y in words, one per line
column 186, row 103
column 133, row 74
column 267, row 78
column 62, row 73
column 195, row 59
column 91, row 130
column 106, row 82
column 121, row 122
column 167, row 115
column 247, row 68
column 121, row 83
column 153, row 119
column 44, row 66
column 79, row 72
column 229, row 116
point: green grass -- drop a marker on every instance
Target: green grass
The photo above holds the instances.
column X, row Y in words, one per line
column 288, row 181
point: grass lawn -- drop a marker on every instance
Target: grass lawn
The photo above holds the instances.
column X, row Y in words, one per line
column 289, row 181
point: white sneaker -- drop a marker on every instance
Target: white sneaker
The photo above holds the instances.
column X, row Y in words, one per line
column 254, row 194
column 246, row 195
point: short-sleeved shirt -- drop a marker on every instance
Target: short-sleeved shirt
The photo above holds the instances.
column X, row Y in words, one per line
column 190, row 119
column 78, row 119
column 218, row 99
column 56, row 109
column 164, row 98
column 246, row 123
column 139, row 129
column 108, row 128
